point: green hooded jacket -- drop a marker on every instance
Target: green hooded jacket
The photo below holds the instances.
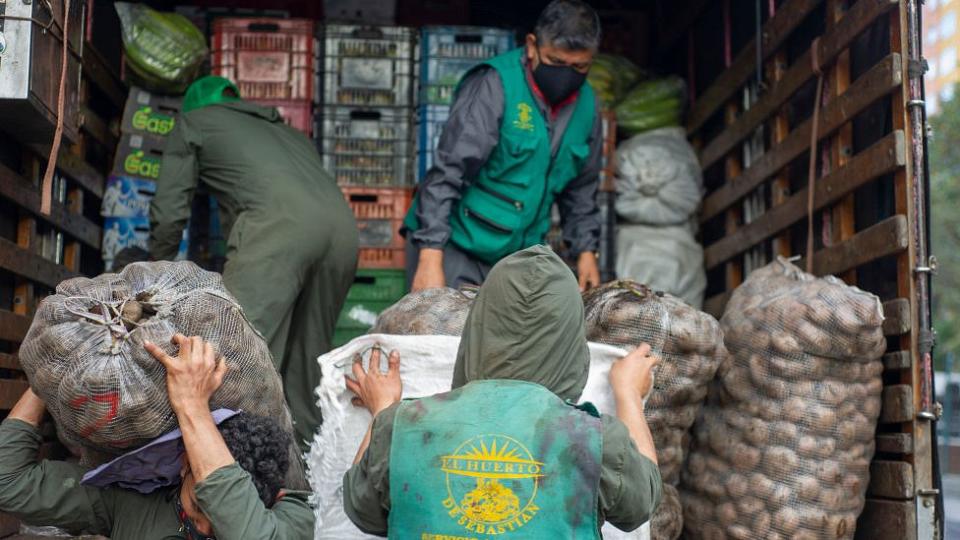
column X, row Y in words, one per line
column 49, row 492
column 526, row 324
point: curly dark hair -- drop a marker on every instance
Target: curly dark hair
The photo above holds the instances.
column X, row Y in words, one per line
column 262, row 449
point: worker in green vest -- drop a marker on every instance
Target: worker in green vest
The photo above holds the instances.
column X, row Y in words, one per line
column 291, row 237
column 523, row 133
column 508, row 452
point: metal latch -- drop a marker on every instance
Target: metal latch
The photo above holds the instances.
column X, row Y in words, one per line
column 933, row 415
column 916, row 68
column 930, row 268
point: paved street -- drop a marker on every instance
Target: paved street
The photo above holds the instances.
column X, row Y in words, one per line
column 951, row 503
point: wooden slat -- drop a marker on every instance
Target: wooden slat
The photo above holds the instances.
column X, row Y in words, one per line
column 880, row 240
column 896, row 404
column 92, row 124
column 896, row 360
column 25, row 195
column 10, row 361
column 10, row 392
column 775, row 31
column 877, row 241
column 32, row 266
column 895, row 443
column 8, row 525
column 882, row 157
column 879, row 81
column 891, row 480
column 860, row 16
column 887, row 519
column 96, row 69
column 896, row 315
column 12, row 326
column 81, row 172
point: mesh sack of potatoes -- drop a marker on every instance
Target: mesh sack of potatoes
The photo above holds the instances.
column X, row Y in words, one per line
column 441, row 311
column 84, row 354
column 689, row 342
column 783, row 448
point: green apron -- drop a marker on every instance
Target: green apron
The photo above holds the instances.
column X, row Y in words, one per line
column 506, row 208
column 503, row 470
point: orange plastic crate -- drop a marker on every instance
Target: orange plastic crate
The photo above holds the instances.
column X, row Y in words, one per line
column 380, row 213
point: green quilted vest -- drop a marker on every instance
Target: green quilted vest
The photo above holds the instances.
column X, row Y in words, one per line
column 506, row 208
column 494, row 459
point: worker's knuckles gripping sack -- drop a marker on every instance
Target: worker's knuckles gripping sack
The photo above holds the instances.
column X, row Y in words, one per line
column 783, row 449
column 626, row 314
column 84, row 354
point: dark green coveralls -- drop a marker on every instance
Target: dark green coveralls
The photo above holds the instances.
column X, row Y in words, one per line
column 291, row 238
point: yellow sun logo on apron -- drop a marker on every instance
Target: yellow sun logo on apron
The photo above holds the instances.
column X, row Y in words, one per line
column 491, row 484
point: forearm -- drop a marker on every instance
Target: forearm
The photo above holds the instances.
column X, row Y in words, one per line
column 630, row 412
column 229, row 500
column 29, row 408
column 45, row 493
column 206, row 450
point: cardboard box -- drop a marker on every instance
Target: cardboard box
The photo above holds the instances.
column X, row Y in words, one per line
column 122, row 232
column 150, row 114
column 128, row 196
column 139, row 155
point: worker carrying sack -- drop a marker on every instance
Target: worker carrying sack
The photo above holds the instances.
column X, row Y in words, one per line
column 84, row 355
column 625, row 314
column 783, row 448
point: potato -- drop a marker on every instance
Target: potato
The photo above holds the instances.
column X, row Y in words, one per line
column 786, row 521
column 727, row 514
column 808, row 488
column 746, row 458
column 749, row 506
column 739, row 532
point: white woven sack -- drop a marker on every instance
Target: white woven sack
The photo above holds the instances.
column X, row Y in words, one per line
column 426, row 367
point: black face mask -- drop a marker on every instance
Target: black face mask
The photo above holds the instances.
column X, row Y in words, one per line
column 557, row 82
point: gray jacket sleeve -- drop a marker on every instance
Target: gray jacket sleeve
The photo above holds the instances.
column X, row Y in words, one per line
column 470, row 134
column 579, row 215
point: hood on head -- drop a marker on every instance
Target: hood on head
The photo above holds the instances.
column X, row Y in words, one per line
column 527, row 324
column 208, row 91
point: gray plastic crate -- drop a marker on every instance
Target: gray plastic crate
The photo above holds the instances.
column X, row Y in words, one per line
column 368, row 146
column 369, row 66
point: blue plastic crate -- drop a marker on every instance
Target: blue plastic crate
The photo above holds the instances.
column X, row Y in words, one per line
column 431, row 119
column 447, row 52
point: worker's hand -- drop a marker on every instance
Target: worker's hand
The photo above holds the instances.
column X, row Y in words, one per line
column 587, row 271
column 375, row 389
column 193, row 376
column 632, row 376
column 29, row 409
column 429, row 273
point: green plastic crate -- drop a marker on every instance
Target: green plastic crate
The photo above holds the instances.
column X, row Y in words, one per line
column 372, row 292
column 374, row 284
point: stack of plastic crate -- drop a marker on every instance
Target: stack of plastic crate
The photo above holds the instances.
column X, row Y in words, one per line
column 274, row 62
column 366, row 135
column 447, row 53
column 148, row 119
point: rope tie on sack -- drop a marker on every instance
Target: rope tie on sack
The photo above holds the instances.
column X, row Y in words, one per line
column 814, row 133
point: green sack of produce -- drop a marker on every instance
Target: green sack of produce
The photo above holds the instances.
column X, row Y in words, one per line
column 164, row 51
column 652, row 104
column 611, row 76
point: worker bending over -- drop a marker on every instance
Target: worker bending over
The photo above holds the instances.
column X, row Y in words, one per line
column 508, row 452
column 232, row 473
column 523, row 133
column 291, row 238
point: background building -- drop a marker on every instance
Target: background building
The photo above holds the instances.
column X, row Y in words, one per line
column 941, row 43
